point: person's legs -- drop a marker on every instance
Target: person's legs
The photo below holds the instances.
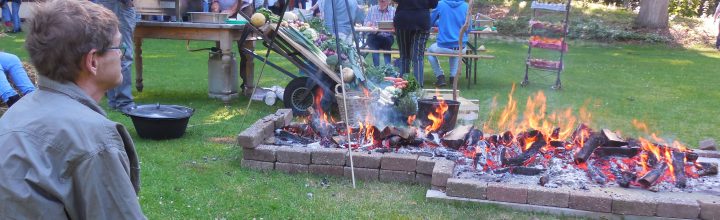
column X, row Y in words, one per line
column 13, row 68
column 6, row 15
column 387, row 43
column 373, row 42
column 6, row 90
column 121, row 96
column 434, row 63
column 418, row 54
column 405, row 46
column 455, row 62
column 16, row 15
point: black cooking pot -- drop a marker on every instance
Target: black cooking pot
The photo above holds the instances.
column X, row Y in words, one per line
column 160, row 121
column 426, row 106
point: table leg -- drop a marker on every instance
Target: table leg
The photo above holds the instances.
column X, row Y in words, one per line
column 247, row 67
column 138, row 63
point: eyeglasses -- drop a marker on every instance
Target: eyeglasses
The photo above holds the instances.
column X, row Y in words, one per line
column 121, row 48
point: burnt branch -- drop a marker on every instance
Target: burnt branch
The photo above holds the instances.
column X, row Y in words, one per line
column 595, row 140
column 529, row 153
column 678, row 163
column 595, row 174
column 617, row 151
column 650, row 178
column 707, row 169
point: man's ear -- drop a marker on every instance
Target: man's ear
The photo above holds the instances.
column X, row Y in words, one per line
column 89, row 62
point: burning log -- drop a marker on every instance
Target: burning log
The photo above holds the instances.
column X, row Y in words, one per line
column 285, row 137
column 613, row 140
column 691, row 156
column 625, row 178
column 507, row 138
column 651, row 177
column 555, row 134
column 456, row 138
column 474, row 137
column 595, row 140
column 678, row 163
column 520, row 170
column 596, row 175
column 707, row 169
column 529, row 153
column 617, row 151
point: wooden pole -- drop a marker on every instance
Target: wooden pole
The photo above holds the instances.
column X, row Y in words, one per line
column 468, row 19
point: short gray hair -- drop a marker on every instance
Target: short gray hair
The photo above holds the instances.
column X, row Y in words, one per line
column 63, row 31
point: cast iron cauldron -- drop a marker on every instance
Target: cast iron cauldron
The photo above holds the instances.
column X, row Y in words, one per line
column 425, row 106
column 160, row 121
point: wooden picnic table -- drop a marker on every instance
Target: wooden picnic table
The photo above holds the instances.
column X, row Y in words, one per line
column 224, row 34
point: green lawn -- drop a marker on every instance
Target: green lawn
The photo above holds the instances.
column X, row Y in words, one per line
column 197, row 177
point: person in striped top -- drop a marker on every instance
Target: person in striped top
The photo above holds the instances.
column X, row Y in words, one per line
column 380, row 40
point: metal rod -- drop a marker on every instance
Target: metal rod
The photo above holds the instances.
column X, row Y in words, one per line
column 262, row 69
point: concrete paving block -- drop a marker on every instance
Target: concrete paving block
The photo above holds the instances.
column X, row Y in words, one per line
column 296, row 155
column 466, row 188
column 506, row 192
column 257, row 165
column 423, row 179
column 632, row 201
column 364, row 174
column 327, row 170
column 398, row 162
column 397, row 176
column 678, row 208
column 590, row 200
column 365, row 160
column 292, row 168
column 709, row 207
column 556, row 197
column 283, row 118
column 329, row 156
column 425, row 165
column 261, row 153
column 442, row 171
column 255, row 134
column 707, row 144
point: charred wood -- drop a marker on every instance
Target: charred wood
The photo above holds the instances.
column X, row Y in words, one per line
column 287, row 137
column 529, row 153
column 544, row 179
column 558, row 144
column 404, row 132
column 475, row 136
column 617, row 151
column 691, row 156
column 457, row 137
column 578, row 133
column 595, row 174
column 707, row 169
column 650, row 178
column 613, row 140
column 507, row 138
column 595, row 140
column 555, row 134
column 624, row 178
column 678, row 162
column 527, row 171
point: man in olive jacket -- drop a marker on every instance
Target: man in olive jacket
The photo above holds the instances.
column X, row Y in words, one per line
column 60, row 156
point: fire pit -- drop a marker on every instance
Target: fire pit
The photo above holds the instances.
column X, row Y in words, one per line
column 564, row 162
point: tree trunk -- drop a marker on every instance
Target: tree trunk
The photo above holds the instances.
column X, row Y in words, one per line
column 653, row 14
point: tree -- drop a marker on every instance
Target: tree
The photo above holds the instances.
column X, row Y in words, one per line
column 653, row 14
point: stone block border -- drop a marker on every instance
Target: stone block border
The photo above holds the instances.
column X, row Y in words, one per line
column 605, row 203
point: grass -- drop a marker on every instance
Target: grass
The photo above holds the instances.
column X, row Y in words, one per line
column 674, row 91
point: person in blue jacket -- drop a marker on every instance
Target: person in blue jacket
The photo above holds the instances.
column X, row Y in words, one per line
column 11, row 69
column 449, row 24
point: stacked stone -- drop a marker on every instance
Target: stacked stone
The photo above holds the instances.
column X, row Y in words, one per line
column 259, row 154
column 610, row 200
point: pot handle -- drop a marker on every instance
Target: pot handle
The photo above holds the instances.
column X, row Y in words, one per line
column 337, row 88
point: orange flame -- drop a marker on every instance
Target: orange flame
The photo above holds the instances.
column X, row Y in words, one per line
column 437, row 116
column 411, row 119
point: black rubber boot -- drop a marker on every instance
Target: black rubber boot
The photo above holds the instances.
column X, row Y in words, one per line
column 452, row 79
column 12, row 100
column 440, row 81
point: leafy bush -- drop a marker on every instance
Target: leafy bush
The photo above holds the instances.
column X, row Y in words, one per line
column 597, row 30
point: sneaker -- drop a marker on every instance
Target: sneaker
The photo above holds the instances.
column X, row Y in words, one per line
column 440, row 81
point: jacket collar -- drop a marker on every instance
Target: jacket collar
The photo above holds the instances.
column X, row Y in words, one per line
column 71, row 90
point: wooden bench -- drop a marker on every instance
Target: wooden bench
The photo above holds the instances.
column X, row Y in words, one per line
column 470, row 56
